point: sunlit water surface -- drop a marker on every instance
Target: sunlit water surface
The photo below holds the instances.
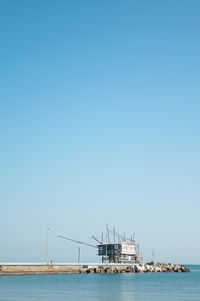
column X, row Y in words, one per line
column 104, row 287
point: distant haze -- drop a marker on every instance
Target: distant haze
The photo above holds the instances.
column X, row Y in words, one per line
column 99, row 124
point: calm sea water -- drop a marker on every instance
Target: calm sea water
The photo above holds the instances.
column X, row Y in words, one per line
column 103, row 287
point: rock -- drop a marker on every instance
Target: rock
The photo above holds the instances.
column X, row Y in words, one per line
column 136, row 269
column 177, row 268
column 147, row 268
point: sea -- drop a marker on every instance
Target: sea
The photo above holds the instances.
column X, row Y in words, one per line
column 103, row 287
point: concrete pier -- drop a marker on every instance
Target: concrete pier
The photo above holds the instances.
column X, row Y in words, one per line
column 34, row 269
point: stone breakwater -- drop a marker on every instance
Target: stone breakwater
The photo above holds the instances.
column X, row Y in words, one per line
column 161, row 268
column 157, row 268
column 86, row 269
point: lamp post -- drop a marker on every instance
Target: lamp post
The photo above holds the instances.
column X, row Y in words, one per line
column 47, row 230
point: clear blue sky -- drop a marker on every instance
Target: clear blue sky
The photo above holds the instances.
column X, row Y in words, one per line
column 99, row 123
